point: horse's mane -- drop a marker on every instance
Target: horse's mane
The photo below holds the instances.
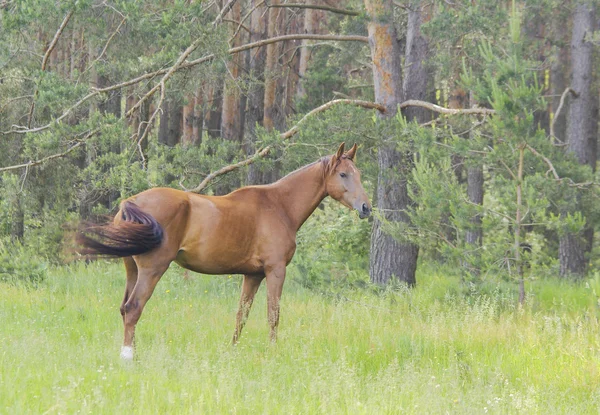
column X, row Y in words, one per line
column 324, row 161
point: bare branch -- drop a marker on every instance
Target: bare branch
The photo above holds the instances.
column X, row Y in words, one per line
column 55, row 39
column 318, row 7
column 560, row 105
column 546, row 159
column 365, row 104
column 294, row 130
column 223, row 12
column 51, row 157
column 149, row 124
column 265, row 42
column 169, row 73
column 177, row 66
column 105, row 46
column 509, row 170
column 246, row 17
column 240, row 25
column 51, row 47
column 284, row 136
column 442, row 110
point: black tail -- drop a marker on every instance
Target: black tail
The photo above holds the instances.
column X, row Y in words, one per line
column 136, row 234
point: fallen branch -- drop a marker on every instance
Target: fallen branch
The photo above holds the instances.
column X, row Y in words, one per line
column 318, row 7
column 365, row 104
column 284, row 136
column 294, row 130
column 442, row 110
column 55, row 39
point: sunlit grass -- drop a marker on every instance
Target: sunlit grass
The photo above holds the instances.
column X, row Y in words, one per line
column 434, row 349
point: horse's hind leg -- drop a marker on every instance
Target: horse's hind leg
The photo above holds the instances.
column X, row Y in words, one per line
column 132, row 272
column 147, row 278
column 249, row 287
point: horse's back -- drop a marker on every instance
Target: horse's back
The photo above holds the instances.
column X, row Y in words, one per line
column 161, row 202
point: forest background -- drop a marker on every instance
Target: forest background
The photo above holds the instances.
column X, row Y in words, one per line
column 476, row 121
column 473, row 288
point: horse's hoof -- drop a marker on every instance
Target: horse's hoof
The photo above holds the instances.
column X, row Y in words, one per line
column 127, row 353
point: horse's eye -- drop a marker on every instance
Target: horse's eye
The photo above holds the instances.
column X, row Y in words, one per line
column 342, row 175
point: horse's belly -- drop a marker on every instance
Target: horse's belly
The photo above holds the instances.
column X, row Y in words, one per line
column 217, row 266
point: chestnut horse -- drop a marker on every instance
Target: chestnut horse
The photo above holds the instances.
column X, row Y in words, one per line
column 251, row 231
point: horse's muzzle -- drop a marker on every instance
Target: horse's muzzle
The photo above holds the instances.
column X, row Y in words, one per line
column 364, row 212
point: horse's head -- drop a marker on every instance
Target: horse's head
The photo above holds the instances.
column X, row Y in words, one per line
column 342, row 182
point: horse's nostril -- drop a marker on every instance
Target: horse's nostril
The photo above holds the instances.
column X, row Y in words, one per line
column 365, row 208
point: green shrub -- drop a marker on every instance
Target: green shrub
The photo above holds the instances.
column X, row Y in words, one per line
column 20, row 265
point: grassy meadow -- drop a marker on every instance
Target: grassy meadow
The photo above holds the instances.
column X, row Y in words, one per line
column 435, row 349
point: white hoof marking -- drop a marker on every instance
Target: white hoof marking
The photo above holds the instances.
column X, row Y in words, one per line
column 127, row 353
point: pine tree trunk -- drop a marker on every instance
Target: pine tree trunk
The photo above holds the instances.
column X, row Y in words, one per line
column 272, row 112
column 474, row 235
column 198, row 117
column 231, row 117
column 212, row 120
column 256, row 94
column 388, row 258
column 163, row 127
column 582, row 128
column 311, row 25
column 187, row 137
column 175, row 124
column 17, row 225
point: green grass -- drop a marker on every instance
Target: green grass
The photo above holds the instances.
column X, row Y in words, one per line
column 434, row 349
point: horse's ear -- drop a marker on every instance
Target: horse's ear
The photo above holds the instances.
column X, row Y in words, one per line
column 337, row 156
column 352, row 152
column 340, row 151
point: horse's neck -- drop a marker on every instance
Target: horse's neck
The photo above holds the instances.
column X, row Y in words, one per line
column 301, row 192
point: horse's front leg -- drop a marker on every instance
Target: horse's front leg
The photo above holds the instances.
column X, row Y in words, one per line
column 249, row 287
column 275, row 279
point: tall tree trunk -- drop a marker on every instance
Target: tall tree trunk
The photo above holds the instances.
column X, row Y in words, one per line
column 389, row 258
column 17, row 226
column 272, row 111
column 187, row 136
column 171, row 123
column 163, row 127
column 582, row 128
column 175, row 124
column 292, row 69
column 311, row 25
column 256, row 94
column 558, row 83
column 212, row 119
column 198, row 116
column 474, row 235
column 231, row 117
